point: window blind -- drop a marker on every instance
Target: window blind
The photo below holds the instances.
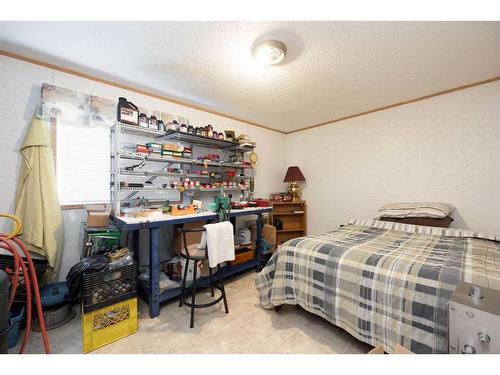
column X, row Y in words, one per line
column 82, row 161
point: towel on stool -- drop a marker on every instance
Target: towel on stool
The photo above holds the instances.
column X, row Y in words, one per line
column 219, row 241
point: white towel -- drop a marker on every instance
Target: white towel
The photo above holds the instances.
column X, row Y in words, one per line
column 219, row 240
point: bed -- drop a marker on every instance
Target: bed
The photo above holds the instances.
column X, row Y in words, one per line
column 385, row 283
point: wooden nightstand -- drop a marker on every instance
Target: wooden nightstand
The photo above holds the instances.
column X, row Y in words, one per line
column 293, row 217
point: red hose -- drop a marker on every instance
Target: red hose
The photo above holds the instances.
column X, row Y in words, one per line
column 8, row 246
column 34, row 281
column 15, row 280
column 28, row 280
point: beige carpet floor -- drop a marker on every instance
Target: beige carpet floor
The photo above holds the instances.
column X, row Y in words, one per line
column 247, row 329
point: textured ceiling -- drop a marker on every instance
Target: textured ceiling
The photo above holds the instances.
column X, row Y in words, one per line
column 332, row 70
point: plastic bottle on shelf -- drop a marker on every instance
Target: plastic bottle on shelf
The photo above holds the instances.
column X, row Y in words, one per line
column 174, row 125
column 143, row 120
column 127, row 112
column 153, row 123
column 161, row 125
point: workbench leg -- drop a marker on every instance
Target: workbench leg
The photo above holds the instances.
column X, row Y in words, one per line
column 135, row 242
column 258, row 245
column 154, row 272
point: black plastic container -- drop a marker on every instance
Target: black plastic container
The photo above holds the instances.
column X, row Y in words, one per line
column 127, row 112
column 4, row 312
column 104, row 288
column 7, row 265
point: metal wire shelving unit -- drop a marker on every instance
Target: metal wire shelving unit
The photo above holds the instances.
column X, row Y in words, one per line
column 154, row 166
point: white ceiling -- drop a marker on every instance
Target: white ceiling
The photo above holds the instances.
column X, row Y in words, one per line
column 332, row 69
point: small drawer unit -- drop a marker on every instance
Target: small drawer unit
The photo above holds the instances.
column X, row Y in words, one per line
column 474, row 320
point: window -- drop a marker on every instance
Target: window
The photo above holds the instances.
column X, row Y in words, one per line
column 82, row 162
column 80, row 130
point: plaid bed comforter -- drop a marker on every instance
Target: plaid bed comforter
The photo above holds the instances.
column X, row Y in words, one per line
column 383, row 286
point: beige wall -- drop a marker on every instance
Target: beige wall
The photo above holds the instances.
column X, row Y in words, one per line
column 442, row 149
column 20, row 84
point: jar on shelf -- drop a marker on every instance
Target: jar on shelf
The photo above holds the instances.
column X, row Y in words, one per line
column 210, row 131
column 153, row 123
column 183, row 128
column 204, row 131
column 277, row 197
column 190, row 129
column 161, row 126
column 143, row 120
column 221, row 136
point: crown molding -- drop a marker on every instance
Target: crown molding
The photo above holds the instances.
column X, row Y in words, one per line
column 200, row 108
column 130, row 88
column 459, row 88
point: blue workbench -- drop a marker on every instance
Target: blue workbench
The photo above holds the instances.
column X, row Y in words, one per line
column 152, row 291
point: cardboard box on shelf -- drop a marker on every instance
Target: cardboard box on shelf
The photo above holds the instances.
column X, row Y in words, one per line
column 268, row 233
column 98, row 214
column 191, row 238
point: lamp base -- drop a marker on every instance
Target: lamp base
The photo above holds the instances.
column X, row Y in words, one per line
column 294, row 190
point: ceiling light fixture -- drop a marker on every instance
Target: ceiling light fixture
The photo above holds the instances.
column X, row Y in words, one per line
column 270, row 52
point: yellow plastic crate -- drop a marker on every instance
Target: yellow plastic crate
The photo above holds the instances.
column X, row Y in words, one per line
column 111, row 323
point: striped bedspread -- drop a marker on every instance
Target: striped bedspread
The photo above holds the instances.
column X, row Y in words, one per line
column 384, row 283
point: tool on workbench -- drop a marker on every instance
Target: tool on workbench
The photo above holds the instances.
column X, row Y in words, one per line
column 223, row 205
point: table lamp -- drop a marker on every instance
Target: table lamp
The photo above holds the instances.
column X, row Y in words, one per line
column 293, row 174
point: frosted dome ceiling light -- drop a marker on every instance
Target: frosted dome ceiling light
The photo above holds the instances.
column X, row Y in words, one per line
column 269, row 52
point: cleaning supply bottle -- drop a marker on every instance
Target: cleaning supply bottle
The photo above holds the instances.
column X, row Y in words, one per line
column 127, row 112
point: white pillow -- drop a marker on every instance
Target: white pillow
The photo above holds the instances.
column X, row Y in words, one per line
column 418, row 209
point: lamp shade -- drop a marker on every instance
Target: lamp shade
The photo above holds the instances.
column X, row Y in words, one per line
column 294, row 174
